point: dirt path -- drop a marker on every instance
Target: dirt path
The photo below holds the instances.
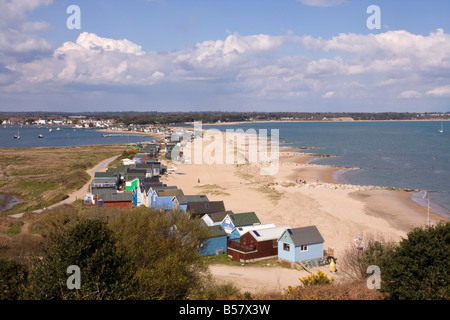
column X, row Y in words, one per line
column 256, row 279
column 78, row 194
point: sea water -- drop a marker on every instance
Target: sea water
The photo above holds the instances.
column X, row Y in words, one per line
column 400, row 154
column 65, row 137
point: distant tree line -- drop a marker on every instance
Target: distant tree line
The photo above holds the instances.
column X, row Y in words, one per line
column 166, row 118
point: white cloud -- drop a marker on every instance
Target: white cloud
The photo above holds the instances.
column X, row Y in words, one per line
column 93, row 44
column 158, row 75
column 443, row 91
column 369, row 67
column 410, row 94
column 233, row 49
column 326, row 67
column 328, row 95
column 17, row 36
column 385, row 58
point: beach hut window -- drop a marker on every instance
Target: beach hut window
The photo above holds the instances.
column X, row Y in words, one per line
column 286, row 247
column 304, row 247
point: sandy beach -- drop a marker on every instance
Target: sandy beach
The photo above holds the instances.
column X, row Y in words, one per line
column 340, row 212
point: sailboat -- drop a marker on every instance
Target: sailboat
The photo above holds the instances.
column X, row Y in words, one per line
column 18, row 135
column 441, row 130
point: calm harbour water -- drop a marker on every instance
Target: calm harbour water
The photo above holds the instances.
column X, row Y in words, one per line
column 66, row 137
column 401, row 154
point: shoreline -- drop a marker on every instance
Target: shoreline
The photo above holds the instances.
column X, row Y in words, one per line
column 340, row 211
column 325, row 173
column 435, row 208
column 334, row 174
column 316, row 121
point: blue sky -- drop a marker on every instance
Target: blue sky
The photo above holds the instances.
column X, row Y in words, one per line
column 252, row 55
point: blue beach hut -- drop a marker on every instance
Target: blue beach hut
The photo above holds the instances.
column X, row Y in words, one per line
column 215, row 243
column 300, row 244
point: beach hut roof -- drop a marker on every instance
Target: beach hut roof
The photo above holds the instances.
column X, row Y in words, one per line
column 244, row 219
column 169, row 192
column 245, row 229
column 108, row 180
column 120, row 168
column 145, row 165
column 134, row 175
column 182, row 199
column 97, row 191
column 305, row 235
column 268, row 233
column 126, row 196
column 216, row 231
column 152, row 179
column 149, row 185
column 106, row 174
column 217, row 216
column 205, row 207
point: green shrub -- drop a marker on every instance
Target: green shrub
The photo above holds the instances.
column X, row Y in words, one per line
column 13, row 279
column 90, row 245
column 163, row 246
column 417, row 269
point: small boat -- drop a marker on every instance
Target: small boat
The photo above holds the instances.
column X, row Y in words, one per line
column 50, row 130
column 40, row 136
column 441, row 130
column 58, row 129
column 17, row 136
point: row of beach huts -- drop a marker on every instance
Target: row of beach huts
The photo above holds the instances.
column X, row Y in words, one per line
column 241, row 235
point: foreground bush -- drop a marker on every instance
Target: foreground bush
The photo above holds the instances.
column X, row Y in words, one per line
column 105, row 271
column 13, row 279
column 342, row 291
column 418, row 268
column 315, row 279
column 163, row 247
